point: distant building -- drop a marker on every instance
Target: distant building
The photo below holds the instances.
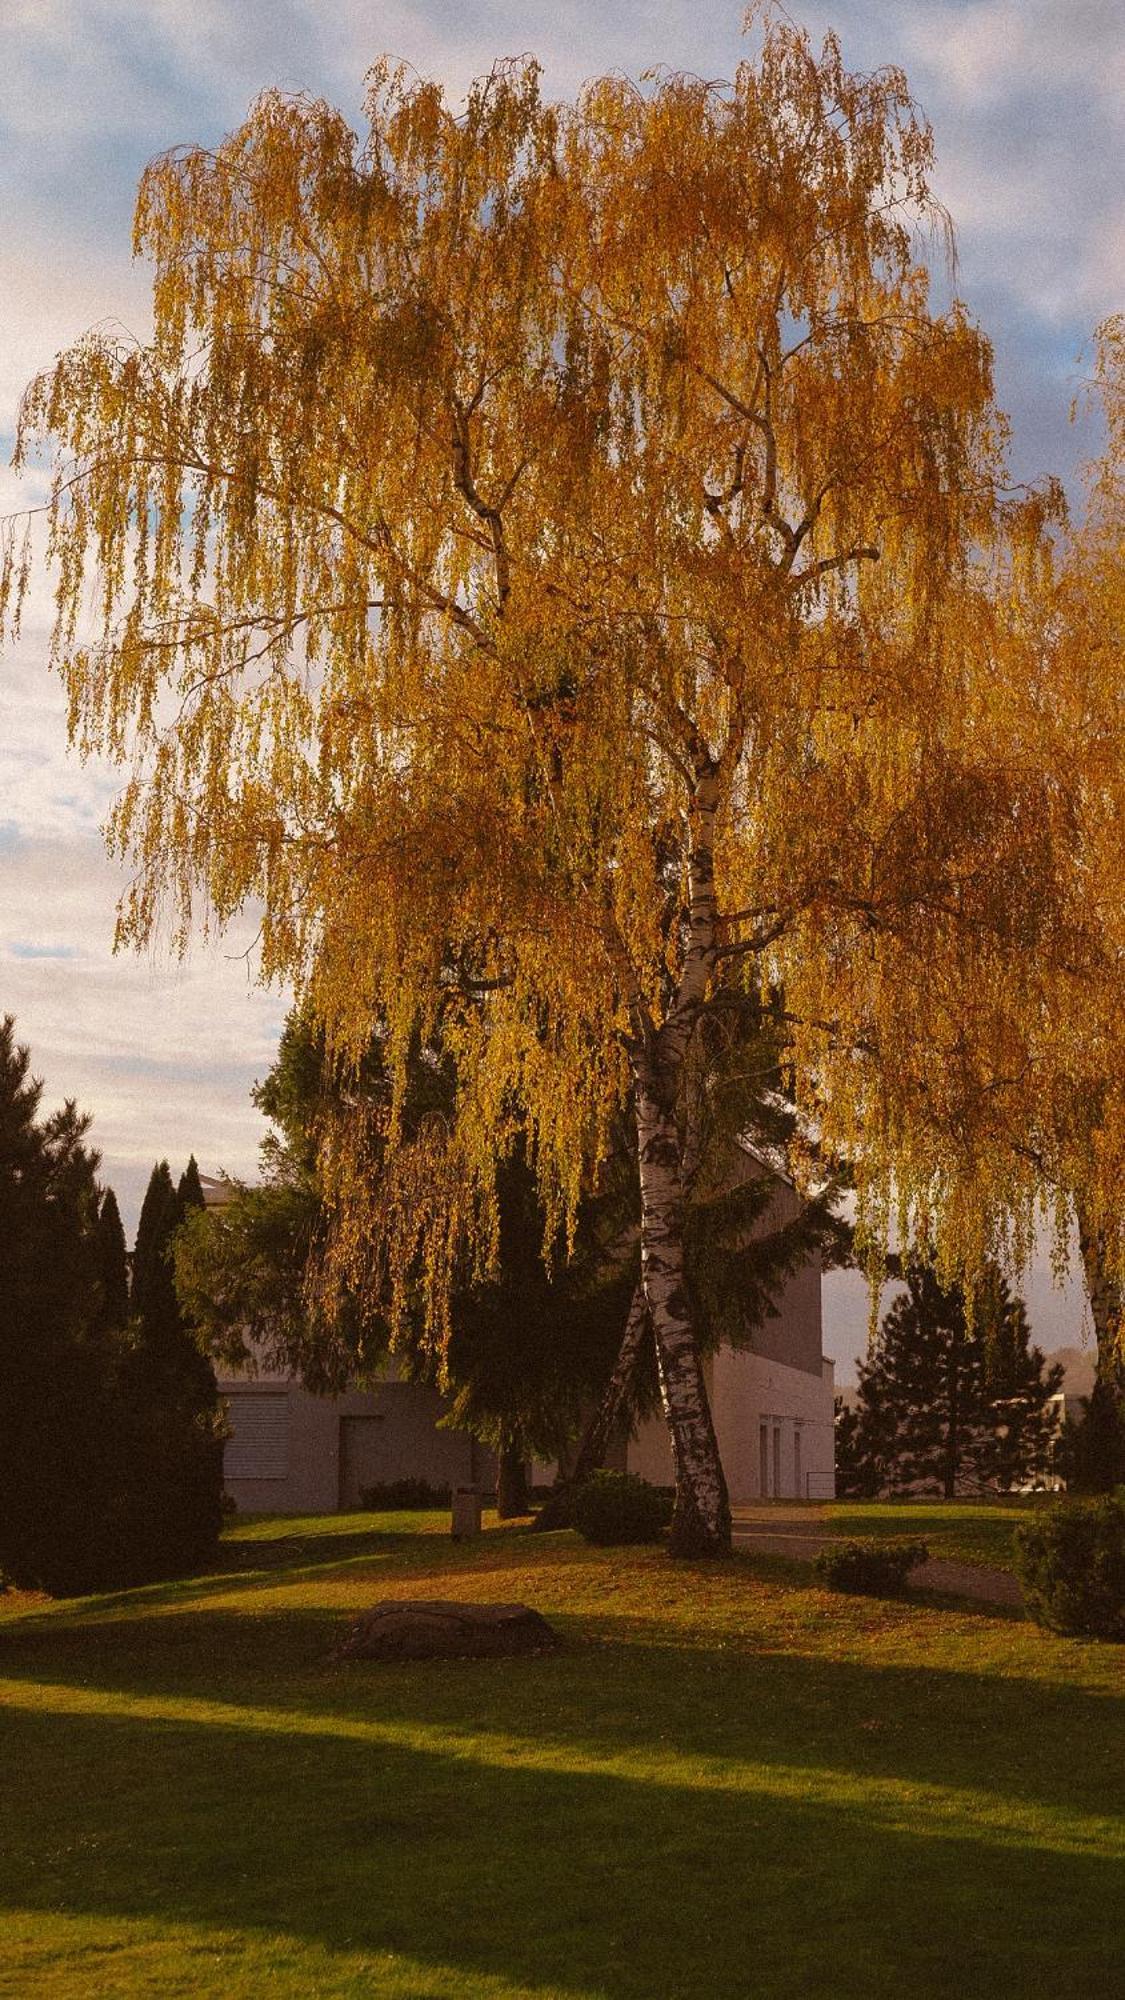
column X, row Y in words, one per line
column 290, row 1452
column 294, row 1452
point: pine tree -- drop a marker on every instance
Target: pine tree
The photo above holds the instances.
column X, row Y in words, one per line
column 106, row 1477
column 948, row 1402
column 527, row 1350
column 1022, row 1433
column 169, row 1386
column 856, row 1469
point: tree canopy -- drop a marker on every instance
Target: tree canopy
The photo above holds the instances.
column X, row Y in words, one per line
column 549, row 554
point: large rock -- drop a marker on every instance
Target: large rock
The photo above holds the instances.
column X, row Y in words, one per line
column 401, row 1630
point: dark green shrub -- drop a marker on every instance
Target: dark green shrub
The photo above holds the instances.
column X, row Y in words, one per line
column 876, row 1569
column 393, row 1495
column 1071, row 1562
column 616, row 1507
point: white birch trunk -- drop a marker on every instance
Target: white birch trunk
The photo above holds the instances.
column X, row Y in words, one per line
column 701, row 1523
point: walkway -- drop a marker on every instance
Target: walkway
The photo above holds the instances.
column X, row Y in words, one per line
column 800, row 1533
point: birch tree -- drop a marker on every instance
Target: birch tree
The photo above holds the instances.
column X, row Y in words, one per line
column 547, row 554
column 1090, row 637
column 1058, row 1104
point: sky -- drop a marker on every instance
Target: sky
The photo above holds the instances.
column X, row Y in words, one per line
column 1027, row 101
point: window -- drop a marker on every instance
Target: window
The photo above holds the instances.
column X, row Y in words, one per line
column 259, row 1446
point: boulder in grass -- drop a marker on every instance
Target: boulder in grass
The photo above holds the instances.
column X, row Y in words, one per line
column 403, row 1630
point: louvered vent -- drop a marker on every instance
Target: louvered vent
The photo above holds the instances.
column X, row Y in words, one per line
column 259, row 1448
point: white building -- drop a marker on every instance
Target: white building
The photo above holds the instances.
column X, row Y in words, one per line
column 772, row 1398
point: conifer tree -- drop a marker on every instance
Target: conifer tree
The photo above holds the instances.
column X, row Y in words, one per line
column 55, row 1429
column 175, row 1362
column 1094, row 1457
column 152, row 1299
column 189, row 1192
column 950, row 1402
column 170, row 1385
column 857, row 1471
column 1021, row 1425
column 106, row 1478
column 113, row 1266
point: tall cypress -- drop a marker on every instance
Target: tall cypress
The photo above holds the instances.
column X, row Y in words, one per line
column 112, row 1266
column 189, row 1193
column 175, row 1363
column 152, row 1298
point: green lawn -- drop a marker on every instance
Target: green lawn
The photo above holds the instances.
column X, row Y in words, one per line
column 729, row 1783
column 957, row 1531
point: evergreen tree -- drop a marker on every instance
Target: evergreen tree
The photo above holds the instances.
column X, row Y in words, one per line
column 189, row 1193
column 1021, row 1427
column 113, row 1266
column 947, row 1404
column 529, row 1350
column 167, row 1349
column 1095, row 1445
column 106, row 1478
column 53, row 1370
column 526, row 1350
column 152, row 1297
column 856, row 1474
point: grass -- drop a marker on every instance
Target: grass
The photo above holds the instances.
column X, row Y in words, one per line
column 728, row 1784
column 956, row 1531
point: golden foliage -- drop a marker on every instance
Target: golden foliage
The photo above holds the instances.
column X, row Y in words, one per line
column 547, row 551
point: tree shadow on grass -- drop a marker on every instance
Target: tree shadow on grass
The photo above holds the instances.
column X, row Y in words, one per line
column 273, row 1552
column 246, row 1565
column 624, row 1885
column 622, row 1685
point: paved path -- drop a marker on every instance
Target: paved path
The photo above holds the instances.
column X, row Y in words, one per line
column 799, row 1534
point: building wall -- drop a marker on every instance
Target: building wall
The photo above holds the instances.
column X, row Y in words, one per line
column 313, row 1454
column 750, row 1393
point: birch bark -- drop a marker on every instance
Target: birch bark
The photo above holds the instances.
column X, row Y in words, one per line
column 701, row 1523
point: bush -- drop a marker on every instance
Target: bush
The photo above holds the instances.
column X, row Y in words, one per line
column 611, row 1508
column 1070, row 1559
column 877, row 1569
column 393, row 1495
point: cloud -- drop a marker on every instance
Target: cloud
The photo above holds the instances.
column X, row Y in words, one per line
column 18, row 948
column 56, row 286
column 162, row 1053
